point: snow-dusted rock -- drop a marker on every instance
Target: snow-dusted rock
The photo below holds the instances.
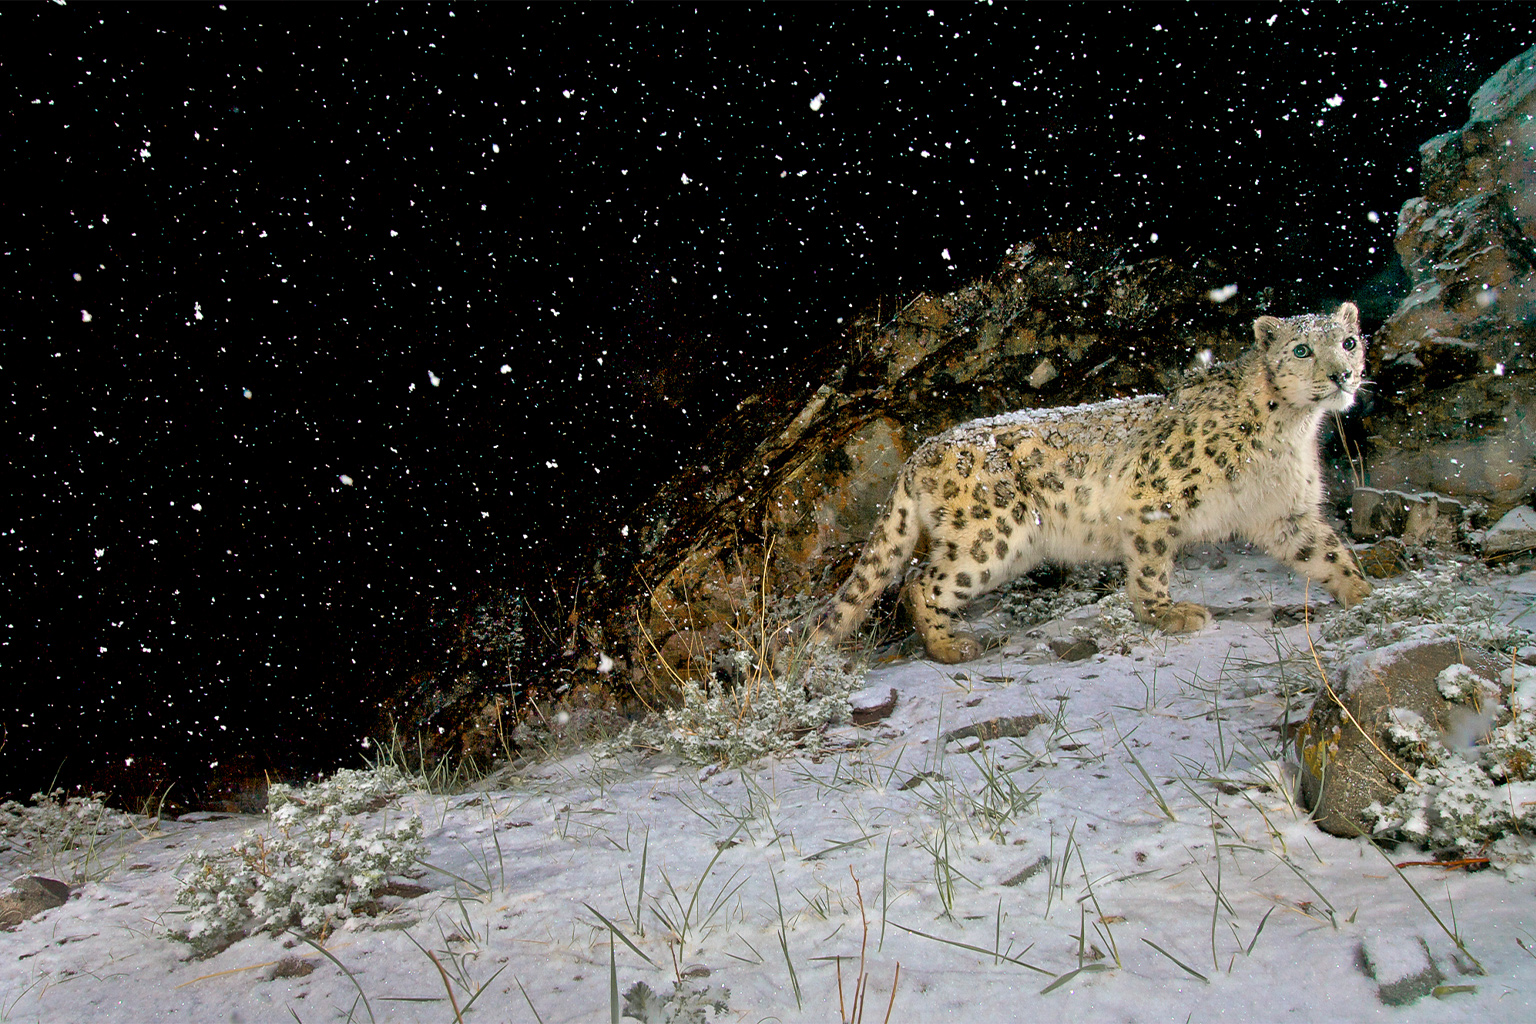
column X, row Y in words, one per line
column 1515, row 532
column 1417, row 518
column 1401, row 966
column 1344, row 770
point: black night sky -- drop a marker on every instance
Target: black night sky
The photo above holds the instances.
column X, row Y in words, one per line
column 316, row 315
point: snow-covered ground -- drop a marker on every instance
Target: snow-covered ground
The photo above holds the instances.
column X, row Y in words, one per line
column 1143, row 835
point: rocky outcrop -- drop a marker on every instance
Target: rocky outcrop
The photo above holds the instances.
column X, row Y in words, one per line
column 777, row 516
column 1454, row 364
column 1418, row 519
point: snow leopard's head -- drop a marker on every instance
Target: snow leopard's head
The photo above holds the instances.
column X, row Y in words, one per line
column 1314, row 362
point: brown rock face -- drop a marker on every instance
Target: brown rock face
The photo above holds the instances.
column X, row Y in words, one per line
column 1455, row 362
column 777, row 517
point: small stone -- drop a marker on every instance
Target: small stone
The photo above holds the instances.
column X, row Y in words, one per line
column 291, row 967
column 1384, row 559
column 30, row 896
column 1025, row 874
column 1074, row 650
column 1401, row 966
column 870, row 707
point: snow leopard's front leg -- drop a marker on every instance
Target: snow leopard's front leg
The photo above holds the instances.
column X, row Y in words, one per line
column 1148, row 564
column 1307, row 544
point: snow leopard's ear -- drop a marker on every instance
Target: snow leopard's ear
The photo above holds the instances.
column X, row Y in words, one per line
column 1267, row 331
column 1348, row 315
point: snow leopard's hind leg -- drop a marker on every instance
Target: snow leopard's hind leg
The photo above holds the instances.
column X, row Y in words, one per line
column 885, row 555
column 938, row 622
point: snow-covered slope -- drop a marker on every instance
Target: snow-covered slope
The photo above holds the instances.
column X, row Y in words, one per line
column 1140, row 832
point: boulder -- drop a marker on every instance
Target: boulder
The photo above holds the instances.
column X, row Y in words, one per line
column 797, row 474
column 1343, row 747
column 1454, row 363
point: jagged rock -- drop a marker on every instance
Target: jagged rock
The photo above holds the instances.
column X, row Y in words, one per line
column 1345, row 770
column 30, row 896
column 1515, row 532
column 798, row 472
column 1417, row 519
column 1454, row 363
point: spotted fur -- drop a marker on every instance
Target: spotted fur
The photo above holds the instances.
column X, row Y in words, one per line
column 1233, row 451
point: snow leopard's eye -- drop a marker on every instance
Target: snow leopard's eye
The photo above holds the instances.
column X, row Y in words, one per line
column 1350, row 343
column 1302, row 351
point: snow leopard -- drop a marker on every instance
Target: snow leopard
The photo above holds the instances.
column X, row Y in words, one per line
column 1232, row 451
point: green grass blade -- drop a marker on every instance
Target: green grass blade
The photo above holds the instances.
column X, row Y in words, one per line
column 341, row 967
column 975, row 949
column 1176, row 960
column 622, row 937
column 1063, row 979
column 533, row 1009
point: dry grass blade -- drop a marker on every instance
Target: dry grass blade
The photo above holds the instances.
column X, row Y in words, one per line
column 1322, row 674
column 447, row 985
column 895, row 981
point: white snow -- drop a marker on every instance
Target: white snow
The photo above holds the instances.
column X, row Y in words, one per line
column 1139, row 833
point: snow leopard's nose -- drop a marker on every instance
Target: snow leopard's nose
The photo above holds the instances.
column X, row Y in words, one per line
column 1339, row 377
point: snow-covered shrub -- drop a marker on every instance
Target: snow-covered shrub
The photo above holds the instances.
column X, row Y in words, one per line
column 1441, row 600
column 764, row 713
column 354, row 791
column 1479, row 798
column 1027, row 602
column 1116, row 628
column 64, row 833
column 745, row 710
column 685, row 1004
column 310, row 871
